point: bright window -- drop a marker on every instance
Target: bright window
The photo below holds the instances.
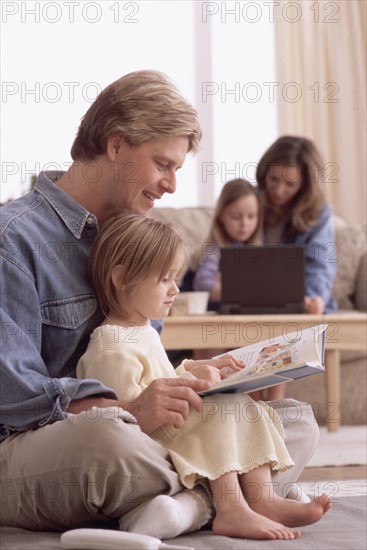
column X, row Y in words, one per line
column 57, row 55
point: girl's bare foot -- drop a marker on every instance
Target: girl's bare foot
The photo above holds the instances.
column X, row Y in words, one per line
column 242, row 522
column 291, row 512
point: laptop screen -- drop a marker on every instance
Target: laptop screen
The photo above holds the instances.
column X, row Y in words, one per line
column 262, row 279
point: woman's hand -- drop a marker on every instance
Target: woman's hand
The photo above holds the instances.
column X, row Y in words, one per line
column 314, row 304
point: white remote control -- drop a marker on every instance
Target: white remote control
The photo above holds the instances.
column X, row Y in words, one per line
column 107, row 539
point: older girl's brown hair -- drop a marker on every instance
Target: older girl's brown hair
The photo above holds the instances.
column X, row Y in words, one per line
column 302, row 153
column 140, row 246
column 140, row 106
column 232, row 191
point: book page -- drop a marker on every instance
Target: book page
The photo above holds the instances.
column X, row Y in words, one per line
column 281, row 353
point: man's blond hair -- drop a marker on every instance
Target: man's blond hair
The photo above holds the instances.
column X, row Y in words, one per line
column 141, row 106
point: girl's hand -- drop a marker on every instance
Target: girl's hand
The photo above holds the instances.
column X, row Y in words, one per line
column 206, row 372
column 224, row 361
column 314, row 304
column 216, row 291
column 225, row 364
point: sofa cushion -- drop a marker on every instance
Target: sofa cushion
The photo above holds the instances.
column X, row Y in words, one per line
column 360, row 295
column 351, row 247
column 193, row 222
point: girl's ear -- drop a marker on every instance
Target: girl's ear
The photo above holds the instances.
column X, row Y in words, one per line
column 116, row 276
column 114, row 143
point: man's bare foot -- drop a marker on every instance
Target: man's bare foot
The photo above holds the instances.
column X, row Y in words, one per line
column 291, row 512
column 242, row 522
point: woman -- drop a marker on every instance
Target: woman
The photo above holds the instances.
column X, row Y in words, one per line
column 290, row 177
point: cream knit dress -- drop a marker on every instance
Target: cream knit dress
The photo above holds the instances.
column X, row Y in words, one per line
column 232, row 433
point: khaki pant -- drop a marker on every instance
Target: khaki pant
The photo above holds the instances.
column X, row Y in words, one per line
column 95, row 466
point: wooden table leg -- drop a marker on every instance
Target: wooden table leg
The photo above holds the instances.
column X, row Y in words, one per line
column 333, row 401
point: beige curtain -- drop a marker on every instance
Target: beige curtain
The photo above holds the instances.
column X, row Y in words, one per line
column 321, row 70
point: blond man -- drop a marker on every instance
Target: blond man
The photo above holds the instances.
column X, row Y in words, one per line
column 71, row 453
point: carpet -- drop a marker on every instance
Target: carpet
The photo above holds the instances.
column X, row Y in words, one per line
column 343, row 528
column 346, row 447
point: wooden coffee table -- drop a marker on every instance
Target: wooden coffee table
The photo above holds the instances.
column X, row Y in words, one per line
column 347, row 330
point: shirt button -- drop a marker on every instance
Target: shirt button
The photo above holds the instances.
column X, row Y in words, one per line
column 90, row 220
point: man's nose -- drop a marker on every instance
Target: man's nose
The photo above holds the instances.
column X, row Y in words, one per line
column 168, row 183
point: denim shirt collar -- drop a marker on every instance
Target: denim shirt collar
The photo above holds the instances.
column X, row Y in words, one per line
column 71, row 212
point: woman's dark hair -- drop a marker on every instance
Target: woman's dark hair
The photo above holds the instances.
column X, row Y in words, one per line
column 301, row 152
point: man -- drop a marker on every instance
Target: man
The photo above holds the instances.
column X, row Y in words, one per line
column 71, row 454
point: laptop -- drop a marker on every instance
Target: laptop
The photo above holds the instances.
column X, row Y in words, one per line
column 262, row 279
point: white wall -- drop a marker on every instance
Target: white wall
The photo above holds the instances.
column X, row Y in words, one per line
column 57, row 55
column 243, row 100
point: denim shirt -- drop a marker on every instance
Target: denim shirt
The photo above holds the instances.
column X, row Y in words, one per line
column 321, row 257
column 48, row 307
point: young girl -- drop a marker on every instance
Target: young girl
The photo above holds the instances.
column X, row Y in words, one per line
column 290, row 177
column 232, row 445
column 237, row 219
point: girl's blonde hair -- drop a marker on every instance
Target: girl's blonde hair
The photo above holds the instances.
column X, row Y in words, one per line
column 302, row 153
column 141, row 105
column 232, row 191
column 140, row 246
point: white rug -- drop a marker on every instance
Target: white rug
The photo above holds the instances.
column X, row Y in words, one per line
column 346, row 447
column 335, row 489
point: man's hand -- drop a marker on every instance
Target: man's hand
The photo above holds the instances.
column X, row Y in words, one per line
column 166, row 401
column 80, row 405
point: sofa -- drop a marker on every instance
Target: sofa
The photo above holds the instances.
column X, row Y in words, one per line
column 350, row 291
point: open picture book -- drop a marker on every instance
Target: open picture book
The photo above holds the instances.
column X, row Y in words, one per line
column 271, row 362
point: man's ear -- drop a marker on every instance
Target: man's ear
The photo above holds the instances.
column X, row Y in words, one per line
column 114, row 143
column 116, row 276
